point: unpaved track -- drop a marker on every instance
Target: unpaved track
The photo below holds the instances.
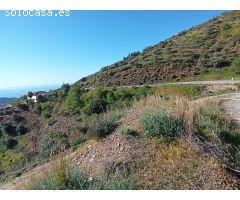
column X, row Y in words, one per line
column 231, row 105
column 200, row 83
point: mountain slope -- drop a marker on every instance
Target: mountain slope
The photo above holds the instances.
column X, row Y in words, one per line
column 4, row 101
column 212, row 45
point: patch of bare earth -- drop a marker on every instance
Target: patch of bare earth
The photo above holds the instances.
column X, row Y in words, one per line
column 231, row 105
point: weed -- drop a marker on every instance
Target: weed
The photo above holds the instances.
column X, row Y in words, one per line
column 162, row 125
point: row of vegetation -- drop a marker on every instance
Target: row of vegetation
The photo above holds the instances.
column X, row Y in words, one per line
column 63, row 177
column 204, row 126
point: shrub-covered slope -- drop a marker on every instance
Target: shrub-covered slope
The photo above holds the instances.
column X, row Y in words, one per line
column 208, row 48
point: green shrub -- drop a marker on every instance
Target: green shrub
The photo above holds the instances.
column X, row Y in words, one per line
column 21, row 106
column 37, row 108
column 54, row 143
column 17, row 118
column 210, row 122
column 46, row 114
column 94, row 101
column 162, row 125
column 77, row 140
column 9, row 129
column 10, row 143
column 73, row 103
column 128, row 131
column 21, row 130
column 51, row 122
column 104, row 125
column 236, row 66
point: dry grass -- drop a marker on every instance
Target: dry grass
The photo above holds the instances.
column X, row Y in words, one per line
column 175, row 167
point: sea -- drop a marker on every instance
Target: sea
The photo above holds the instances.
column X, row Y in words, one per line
column 18, row 92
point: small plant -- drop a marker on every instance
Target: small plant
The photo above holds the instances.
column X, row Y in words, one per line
column 51, row 122
column 54, row 143
column 77, row 140
column 128, row 131
column 162, row 125
column 10, row 143
column 236, row 66
column 46, row 114
column 9, row 129
column 21, row 130
column 17, row 118
column 103, row 127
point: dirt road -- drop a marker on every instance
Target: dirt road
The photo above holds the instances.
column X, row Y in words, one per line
column 200, row 83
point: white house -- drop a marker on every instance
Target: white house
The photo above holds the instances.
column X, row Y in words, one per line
column 34, row 98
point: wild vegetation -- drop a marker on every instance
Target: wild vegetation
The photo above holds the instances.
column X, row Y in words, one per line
column 149, row 137
column 207, row 51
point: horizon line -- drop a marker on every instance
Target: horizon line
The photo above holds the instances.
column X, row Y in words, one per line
column 29, row 86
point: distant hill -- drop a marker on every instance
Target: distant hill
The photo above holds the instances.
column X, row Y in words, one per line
column 202, row 52
column 4, row 101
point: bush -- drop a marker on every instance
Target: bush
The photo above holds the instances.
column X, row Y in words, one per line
column 104, row 125
column 17, row 118
column 10, row 143
column 128, row 131
column 77, row 140
column 210, row 122
column 37, row 108
column 51, row 122
column 236, row 66
column 46, row 114
column 162, row 125
column 94, row 101
column 72, row 102
column 21, row 130
column 22, row 106
column 54, row 143
column 9, row 129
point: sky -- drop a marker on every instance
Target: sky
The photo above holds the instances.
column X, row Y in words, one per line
column 54, row 50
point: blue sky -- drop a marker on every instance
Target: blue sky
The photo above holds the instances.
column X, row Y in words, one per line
column 49, row 50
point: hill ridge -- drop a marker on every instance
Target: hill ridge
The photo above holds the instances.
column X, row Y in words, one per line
column 212, row 45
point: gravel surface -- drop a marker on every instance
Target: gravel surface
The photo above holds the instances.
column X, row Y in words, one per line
column 231, row 105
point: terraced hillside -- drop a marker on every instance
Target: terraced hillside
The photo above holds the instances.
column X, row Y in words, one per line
column 203, row 52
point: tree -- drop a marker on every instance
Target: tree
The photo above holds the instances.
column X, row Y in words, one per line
column 22, row 130
column 30, row 94
column 25, row 97
column 65, row 88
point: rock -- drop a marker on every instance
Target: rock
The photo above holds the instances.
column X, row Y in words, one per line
column 91, row 159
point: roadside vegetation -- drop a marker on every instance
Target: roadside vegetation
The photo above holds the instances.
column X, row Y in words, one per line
column 61, row 176
column 169, row 117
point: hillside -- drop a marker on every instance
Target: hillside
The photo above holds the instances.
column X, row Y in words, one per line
column 203, row 52
column 4, row 101
column 166, row 136
column 156, row 143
